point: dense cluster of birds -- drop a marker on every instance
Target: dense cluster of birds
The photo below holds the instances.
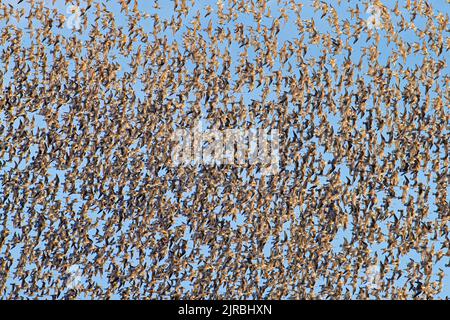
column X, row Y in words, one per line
column 358, row 210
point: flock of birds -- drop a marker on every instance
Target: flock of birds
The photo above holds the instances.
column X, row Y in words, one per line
column 360, row 206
